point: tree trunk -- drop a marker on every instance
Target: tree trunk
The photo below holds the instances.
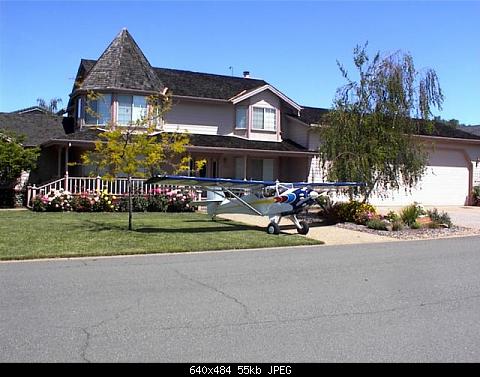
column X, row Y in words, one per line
column 130, row 209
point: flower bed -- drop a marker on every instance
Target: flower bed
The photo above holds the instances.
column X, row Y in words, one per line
column 413, row 216
column 157, row 200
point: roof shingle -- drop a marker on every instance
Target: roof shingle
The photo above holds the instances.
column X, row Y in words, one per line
column 37, row 128
column 198, row 140
column 193, row 84
column 122, row 66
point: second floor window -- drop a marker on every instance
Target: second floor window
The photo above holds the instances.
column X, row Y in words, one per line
column 98, row 111
column 264, row 118
column 241, row 118
column 131, row 109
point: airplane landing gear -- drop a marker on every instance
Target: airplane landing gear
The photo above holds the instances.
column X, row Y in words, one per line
column 304, row 228
column 273, row 228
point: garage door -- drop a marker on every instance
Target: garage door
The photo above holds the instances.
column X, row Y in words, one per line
column 446, row 182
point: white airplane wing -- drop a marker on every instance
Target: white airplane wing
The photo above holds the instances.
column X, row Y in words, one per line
column 327, row 184
column 179, row 180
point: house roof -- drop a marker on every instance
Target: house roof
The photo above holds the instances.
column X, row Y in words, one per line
column 121, row 66
column 193, row 84
column 249, row 93
column 232, row 142
column 90, row 135
column 447, row 131
column 36, row 127
column 31, row 109
column 471, row 129
column 312, row 115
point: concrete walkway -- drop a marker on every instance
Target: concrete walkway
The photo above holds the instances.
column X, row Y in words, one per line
column 329, row 234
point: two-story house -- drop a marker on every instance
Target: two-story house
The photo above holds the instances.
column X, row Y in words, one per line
column 244, row 127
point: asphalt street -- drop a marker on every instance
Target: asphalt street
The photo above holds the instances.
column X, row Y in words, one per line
column 413, row 301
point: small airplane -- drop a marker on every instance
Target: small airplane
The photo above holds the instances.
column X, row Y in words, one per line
column 263, row 198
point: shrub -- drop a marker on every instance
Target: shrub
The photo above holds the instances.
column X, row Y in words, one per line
column 179, row 201
column 377, row 224
column 352, row 211
column 39, row 203
column 102, row 201
column 82, row 202
column 7, row 197
column 157, row 203
column 365, row 213
column 139, row 204
column 415, row 225
column 476, row 195
column 439, row 218
column 397, row 225
column 329, row 209
column 410, row 214
column 356, row 212
column 54, row 201
column 392, row 216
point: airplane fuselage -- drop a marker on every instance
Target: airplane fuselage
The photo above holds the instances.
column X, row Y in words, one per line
column 289, row 202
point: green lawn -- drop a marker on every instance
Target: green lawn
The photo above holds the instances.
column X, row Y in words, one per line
column 26, row 234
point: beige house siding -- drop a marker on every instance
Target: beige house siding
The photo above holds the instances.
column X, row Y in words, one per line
column 201, row 117
column 265, row 99
column 296, row 131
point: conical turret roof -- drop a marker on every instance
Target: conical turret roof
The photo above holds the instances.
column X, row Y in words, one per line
column 122, row 66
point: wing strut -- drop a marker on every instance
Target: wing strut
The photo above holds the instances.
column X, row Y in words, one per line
column 243, row 202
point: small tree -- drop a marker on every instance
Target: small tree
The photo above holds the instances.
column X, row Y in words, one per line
column 138, row 149
column 369, row 134
column 14, row 158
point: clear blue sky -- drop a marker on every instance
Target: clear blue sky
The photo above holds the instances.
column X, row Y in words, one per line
column 292, row 45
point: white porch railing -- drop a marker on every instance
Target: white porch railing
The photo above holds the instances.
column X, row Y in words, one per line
column 78, row 185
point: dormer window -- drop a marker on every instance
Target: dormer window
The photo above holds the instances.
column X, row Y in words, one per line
column 98, row 111
column 131, row 109
column 264, row 118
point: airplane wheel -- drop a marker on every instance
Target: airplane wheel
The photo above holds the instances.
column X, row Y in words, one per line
column 273, row 228
column 304, row 228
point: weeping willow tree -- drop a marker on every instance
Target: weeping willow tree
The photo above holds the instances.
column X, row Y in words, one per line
column 368, row 136
column 138, row 149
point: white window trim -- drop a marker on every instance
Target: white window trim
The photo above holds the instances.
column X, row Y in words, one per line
column 265, row 108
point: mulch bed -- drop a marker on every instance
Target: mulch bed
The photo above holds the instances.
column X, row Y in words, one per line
column 414, row 234
column 404, row 234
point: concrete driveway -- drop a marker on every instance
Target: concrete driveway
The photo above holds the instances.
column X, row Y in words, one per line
column 329, row 234
column 468, row 217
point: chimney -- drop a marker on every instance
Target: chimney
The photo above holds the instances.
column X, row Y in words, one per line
column 246, row 74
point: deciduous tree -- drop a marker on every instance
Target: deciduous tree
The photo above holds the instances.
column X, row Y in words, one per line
column 368, row 136
column 138, row 149
column 14, row 158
